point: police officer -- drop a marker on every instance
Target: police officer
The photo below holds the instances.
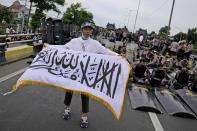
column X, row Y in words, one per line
column 181, row 78
column 87, row 44
column 139, row 72
column 159, row 77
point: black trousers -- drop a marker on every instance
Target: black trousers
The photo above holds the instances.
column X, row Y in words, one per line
column 155, row 83
column 84, row 99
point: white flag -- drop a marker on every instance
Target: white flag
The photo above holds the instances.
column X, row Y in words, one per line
column 102, row 77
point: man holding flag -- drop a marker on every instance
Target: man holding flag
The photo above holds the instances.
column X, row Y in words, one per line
column 83, row 65
column 87, row 44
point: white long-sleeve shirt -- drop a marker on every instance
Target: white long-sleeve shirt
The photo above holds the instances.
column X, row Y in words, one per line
column 90, row 45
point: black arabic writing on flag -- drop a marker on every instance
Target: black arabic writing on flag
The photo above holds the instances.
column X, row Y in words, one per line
column 101, row 75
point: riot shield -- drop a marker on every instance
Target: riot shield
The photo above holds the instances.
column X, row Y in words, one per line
column 189, row 97
column 131, row 49
column 172, row 104
column 142, row 99
column 117, row 44
column 110, row 45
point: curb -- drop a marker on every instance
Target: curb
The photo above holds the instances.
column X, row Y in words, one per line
column 16, row 53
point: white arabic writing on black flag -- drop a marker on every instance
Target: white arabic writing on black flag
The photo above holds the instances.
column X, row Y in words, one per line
column 103, row 77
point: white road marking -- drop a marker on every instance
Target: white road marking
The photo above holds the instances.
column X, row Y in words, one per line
column 157, row 125
column 10, row 76
column 7, row 93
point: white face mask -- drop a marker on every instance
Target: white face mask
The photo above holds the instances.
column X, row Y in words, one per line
column 84, row 37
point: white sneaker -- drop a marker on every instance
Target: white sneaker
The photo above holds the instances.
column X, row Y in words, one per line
column 84, row 122
column 66, row 115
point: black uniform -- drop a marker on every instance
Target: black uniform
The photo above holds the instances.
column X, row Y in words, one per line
column 157, row 77
column 180, row 54
column 193, row 80
column 139, row 72
column 182, row 79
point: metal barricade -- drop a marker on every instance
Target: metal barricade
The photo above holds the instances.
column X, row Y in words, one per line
column 4, row 43
column 36, row 37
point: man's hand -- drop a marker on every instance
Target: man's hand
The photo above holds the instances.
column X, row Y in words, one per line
column 123, row 55
column 146, row 81
column 162, row 82
column 131, row 79
column 166, row 86
column 44, row 45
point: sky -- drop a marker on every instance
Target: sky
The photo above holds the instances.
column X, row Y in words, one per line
column 153, row 14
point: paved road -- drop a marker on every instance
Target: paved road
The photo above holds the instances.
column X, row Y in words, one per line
column 38, row 108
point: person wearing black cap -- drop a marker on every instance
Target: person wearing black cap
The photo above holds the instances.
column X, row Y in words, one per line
column 139, row 72
column 158, row 77
column 87, row 44
column 181, row 78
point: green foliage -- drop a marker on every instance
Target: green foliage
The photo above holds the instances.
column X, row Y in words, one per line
column 163, row 32
column 195, row 45
column 35, row 22
column 180, row 36
column 6, row 14
column 46, row 5
column 192, row 35
column 2, row 31
column 21, row 19
column 77, row 15
column 43, row 5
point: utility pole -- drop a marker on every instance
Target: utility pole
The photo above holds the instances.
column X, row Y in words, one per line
column 29, row 13
column 23, row 17
column 168, row 33
column 136, row 16
column 129, row 18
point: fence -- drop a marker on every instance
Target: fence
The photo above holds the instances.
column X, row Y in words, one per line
column 23, row 45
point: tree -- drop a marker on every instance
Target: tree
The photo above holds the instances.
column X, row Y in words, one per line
column 6, row 14
column 21, row 19
column 192, row 35
column 180, row 36
column 163, row 32
column 35, row 22
column 43, row 5
column 77, row 15
column 46, row 5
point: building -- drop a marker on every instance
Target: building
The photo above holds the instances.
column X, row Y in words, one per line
column 18, row 9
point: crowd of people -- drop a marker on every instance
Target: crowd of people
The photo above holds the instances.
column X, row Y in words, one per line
column 158, row 61
column 9, row 30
